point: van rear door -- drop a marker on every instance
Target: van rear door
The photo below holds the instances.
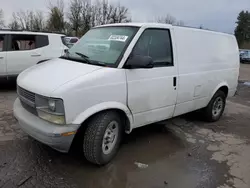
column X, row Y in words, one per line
column 152, row 92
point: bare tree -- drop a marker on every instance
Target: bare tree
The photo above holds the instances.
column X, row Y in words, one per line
column 104, row 12
column 56, row 20
column 74, row 15
column 23, row 19
column 84, row 14
column 37, row 21
column 1, row 18
column 180, row 23
column 119, row 14
column 14, row 24
column 28, row 20
column 168, row 19
column 68, row 29
column 88, row 16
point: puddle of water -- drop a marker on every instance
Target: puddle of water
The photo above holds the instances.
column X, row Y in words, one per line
column 165, row 157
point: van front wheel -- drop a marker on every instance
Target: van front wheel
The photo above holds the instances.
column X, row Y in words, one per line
column 102, row 137
column 216, row 107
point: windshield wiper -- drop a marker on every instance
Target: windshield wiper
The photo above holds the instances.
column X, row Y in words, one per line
column 86, row 58
column 98, row 63
column 82, row 55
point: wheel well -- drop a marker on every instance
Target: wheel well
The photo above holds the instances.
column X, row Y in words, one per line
column 224, row 89
column 121, row 113
column 76, row 144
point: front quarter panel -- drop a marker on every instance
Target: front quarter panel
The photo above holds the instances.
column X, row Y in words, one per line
column 93, row 92
column 101, row 107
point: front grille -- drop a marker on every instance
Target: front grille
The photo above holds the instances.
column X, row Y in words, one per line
column 27, row 99
column 29, row 108
column 26, row 94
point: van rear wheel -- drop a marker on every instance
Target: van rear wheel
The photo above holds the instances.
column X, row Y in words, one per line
column 102, row 137
column 216, row 107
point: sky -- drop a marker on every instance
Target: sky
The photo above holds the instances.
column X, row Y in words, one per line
column 218, row 15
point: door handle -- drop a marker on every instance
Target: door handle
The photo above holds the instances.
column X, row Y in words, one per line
column 35, row 55
column 174, row 82
column 1, row 57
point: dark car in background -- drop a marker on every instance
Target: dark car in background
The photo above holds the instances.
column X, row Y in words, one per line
column 245, row 56
column 70, row 41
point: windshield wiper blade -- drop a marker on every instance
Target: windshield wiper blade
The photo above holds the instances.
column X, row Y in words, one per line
column 81, row 54
column 86, row 58
column 98, row 63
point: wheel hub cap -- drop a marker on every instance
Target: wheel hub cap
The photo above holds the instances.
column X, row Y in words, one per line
column 217, row 106
column 110, row 137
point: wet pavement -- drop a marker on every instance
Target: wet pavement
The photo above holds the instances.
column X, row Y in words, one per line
column 182, row 152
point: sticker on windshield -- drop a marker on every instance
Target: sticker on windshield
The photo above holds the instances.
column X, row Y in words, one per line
column 121, row 38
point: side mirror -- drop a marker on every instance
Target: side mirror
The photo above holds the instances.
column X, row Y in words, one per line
column 138, row 61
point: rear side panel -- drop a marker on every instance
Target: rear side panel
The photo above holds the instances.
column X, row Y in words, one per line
column 206, row 60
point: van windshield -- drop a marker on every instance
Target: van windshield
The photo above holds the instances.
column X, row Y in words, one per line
column 102, row 46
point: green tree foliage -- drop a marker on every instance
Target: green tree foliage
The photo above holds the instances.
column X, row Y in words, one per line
column 242, row 30
column 56, row 20
column 74, row 15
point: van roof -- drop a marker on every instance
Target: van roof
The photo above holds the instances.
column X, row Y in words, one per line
column 134, row 24
column 159, row 25
column 9, row 31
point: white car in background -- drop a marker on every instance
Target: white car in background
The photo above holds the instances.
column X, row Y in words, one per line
column 20, row 50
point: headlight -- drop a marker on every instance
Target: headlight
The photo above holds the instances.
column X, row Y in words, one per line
column 50, row 109
column 52, row 105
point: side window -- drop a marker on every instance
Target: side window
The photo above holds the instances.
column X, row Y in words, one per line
column 155, row 43
column 2, row 43
column 21, row 42
column 42, row 40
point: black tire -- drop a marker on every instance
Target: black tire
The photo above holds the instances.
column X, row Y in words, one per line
column 208, row 111
column 94, row 134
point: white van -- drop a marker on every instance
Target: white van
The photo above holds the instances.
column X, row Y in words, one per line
column 20, row 50
column 147, row 73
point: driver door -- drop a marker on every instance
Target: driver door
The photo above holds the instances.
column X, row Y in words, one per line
column 152, row 92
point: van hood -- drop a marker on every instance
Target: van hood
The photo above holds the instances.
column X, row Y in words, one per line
column 46, row 77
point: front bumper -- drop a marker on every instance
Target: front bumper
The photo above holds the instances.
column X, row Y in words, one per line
column 43, row 131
